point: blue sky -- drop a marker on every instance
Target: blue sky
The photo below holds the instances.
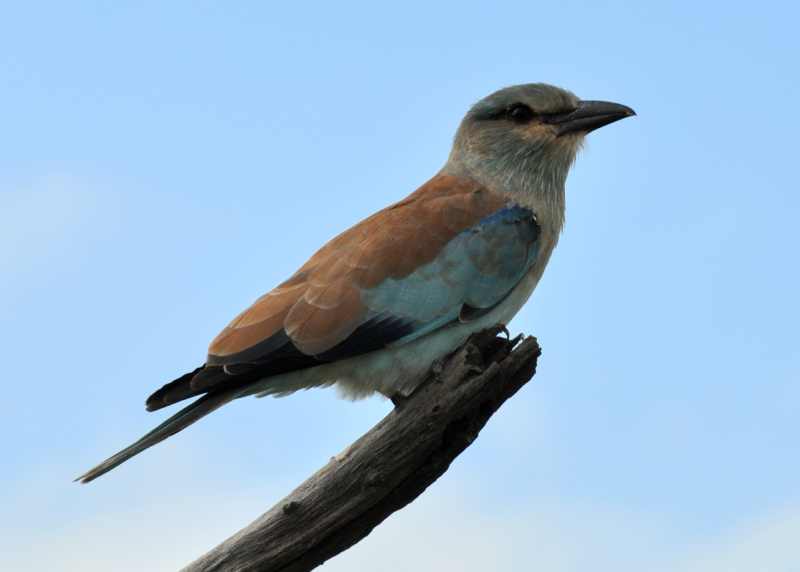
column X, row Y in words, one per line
column 164, row 165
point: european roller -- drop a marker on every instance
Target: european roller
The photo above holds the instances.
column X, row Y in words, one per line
column 375, row 307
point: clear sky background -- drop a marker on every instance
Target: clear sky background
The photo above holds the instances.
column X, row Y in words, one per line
column 164, row 164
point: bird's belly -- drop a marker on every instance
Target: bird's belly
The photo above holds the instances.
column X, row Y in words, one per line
column 398, row 369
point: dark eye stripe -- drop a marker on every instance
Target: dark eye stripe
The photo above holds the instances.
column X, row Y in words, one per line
column 520, row 113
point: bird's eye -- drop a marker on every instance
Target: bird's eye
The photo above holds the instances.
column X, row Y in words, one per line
column 520, row 113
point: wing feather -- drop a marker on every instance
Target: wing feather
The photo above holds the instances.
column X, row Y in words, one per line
column 403, row 272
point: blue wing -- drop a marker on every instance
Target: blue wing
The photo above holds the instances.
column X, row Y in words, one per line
column 476, row 270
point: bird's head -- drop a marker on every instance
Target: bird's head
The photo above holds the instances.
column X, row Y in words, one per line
column 528, row 136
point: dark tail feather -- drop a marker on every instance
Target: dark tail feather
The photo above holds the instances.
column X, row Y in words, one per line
column 181, row 420
column 174, row 391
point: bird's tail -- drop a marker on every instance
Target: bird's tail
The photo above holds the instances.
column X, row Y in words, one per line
column 181, row 420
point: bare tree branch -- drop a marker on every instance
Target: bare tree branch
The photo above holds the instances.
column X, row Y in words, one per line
column 386, row 468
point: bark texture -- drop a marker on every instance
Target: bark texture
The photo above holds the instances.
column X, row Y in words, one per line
column 385, row 469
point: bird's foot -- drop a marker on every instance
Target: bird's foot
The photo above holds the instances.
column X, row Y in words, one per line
column 502, row 329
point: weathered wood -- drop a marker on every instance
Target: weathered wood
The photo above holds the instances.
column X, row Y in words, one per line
column 386, row 468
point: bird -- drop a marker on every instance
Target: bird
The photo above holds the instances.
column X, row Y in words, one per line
column 374, row 308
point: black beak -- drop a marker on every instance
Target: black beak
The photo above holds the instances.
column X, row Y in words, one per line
column 589, row 116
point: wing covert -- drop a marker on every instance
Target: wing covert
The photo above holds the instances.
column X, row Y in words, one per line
column 399, row 274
